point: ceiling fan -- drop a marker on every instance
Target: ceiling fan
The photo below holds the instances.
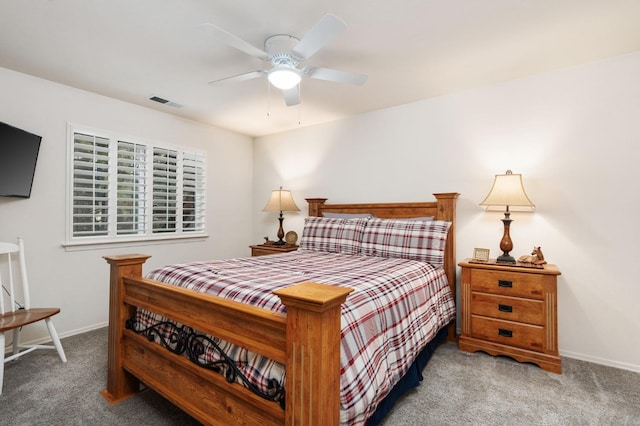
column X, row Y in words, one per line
column 285, row 53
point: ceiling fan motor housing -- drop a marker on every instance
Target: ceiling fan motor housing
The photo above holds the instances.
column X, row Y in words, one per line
column 284, row 60
column 280, row 43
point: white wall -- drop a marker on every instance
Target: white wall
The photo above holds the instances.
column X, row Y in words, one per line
column 573, row 134
column 77, row 281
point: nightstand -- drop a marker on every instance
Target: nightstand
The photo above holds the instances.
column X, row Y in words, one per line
column 265, row 249
column 512, row 311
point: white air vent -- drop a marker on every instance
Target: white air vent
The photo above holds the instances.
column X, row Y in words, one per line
column 165, row 102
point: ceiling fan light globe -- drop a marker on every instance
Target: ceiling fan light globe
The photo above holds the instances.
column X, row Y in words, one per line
column 284, row 78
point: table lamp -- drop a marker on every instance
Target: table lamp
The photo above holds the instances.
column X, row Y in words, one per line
column 507, row 191
column 281, row 201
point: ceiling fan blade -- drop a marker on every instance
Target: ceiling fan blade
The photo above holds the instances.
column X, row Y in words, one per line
column 326, row 29
column 292, row 96
column 337, row 76
column 235, row 41
column 238, row 78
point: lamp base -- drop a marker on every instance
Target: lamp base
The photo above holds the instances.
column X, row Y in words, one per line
column 280, row 234
column 506, row 245
column 505, row 258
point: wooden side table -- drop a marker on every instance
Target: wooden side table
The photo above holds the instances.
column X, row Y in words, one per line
column 266, row 249
column 512, row 311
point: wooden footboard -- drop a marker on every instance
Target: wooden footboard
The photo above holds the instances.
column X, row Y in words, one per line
column 306, row 340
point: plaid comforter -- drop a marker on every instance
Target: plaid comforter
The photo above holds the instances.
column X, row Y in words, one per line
column 397, row 306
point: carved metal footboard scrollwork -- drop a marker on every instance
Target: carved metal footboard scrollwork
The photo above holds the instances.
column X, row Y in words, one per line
column 184, row 340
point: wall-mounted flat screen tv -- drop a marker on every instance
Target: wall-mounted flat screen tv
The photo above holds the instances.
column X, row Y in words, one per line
column 18, row 156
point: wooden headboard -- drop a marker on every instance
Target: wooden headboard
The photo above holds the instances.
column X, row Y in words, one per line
column 444, row 208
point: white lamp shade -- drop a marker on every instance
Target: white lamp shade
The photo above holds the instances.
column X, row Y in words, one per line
column 284, row 77
column 281, row 201
column 508, row 191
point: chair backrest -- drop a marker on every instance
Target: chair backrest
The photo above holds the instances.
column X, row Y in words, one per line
column 10, row 255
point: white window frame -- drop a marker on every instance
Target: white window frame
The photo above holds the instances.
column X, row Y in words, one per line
column 190, row 193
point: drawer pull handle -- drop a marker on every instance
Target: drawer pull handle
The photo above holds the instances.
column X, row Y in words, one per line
column 505, row 284
column 505, row 308
column 505, row 333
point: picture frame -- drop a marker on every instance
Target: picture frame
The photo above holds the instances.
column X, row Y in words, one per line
column 481, row 254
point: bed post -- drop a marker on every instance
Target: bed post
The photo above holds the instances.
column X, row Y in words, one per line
column 120, row 384
column 313, row 353
column 447, row 211
column 314, row 205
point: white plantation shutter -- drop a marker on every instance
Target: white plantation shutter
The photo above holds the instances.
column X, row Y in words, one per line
column 90, row 210
column 165, row 189
column 130, row 190
column 193, row 190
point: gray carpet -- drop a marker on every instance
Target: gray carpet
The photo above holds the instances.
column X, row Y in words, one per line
column 460, row 388
column 478, row 389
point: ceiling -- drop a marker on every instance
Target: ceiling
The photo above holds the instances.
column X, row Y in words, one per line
column 411, row 50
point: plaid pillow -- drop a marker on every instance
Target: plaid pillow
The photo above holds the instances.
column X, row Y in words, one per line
column 407, row 239
column 335, row 235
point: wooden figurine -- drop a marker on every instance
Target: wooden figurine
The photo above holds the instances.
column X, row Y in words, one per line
column 536, row 257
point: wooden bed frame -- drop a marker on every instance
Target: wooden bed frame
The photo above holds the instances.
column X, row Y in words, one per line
column 306, row 340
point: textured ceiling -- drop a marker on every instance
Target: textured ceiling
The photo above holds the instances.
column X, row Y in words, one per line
column 410, row 49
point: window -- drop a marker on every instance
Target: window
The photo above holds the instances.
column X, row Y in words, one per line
column 125, row 190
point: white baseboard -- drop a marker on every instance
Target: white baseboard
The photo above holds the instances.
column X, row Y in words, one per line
column 47, row 338
column 593, row 359
column 601, row 361
column 83, row 329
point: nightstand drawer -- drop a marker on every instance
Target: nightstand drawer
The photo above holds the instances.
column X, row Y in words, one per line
column 508, row 333
column 507, row 283
column 262, row 252
column 509, row 308
column 267, row 249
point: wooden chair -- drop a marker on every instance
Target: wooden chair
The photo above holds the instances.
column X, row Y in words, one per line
column 13, row 315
